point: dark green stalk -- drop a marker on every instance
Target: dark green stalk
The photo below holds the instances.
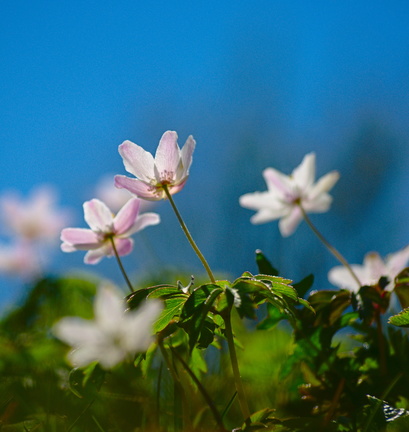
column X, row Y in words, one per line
column 235, row 366
column 188, row 235
column 202, row 390
column 128, row 282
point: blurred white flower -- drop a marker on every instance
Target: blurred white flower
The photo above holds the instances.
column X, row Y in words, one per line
column 19, row 259
column 36, row 218
column 113, row 335
column 287, row 194
column 373, row 268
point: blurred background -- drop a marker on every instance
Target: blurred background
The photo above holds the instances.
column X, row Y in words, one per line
column 257, row 83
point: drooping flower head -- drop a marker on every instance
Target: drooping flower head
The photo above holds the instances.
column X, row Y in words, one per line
column 36, row 218
column 286, row 194
column 372, row 269
column 105, row 228
column 170, row 167
column 113, row 335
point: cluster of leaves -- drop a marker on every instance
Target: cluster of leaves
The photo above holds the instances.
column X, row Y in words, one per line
column 335, row 363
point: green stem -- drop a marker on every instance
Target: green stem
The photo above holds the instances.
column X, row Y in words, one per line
column 179, row 393
column 188, row 235
column 235, row 366
column 328, row 245
column 128, row 282
column 202, row 390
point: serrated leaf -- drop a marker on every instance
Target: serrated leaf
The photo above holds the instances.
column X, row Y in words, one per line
column 401, row 319
column 163, row 291
column 173, row 307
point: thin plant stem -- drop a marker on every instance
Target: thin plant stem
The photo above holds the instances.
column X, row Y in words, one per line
column 188, row 235
column 202, row 390
column 235, row 366
column 328, row 245
column 179, row 393
column 128, row 282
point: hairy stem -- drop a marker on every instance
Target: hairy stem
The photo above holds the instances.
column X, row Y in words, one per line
column 328, row 245
column 188, row 235
column 128, row 282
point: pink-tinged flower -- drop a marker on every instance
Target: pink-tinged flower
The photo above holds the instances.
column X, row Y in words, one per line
column 106, row 227
column 170, row 167
column 373, row 268
column 286, row 194
column 20, row 259
column 36, row 218
column 116, row 198
column 113, row 335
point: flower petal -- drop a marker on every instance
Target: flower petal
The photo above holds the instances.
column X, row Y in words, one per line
column 186, row 158
column 167, row 155
column 127, row 216
column 324, row 184
column 138, row 326
column 109, row 307
column 304, row 174
column 320, row 204
column 98, row 216
column 123, row 246
column 144, row 220
column 279, row 183
column 79, row 239
column 95, row 256
column 139, row 188
column 137, row 161
column 288, row 224
column 397, row 261
column 342, row 278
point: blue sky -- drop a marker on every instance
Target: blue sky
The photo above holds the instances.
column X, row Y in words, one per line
column 258, row 83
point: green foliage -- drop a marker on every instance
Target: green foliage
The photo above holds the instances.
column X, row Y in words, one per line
column 333, row 365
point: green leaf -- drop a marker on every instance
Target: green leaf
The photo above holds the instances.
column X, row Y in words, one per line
column 196, row 320
column 304, row 285
column 402, row 287
column 264, row 265
column 401, row 319
column 173, row 308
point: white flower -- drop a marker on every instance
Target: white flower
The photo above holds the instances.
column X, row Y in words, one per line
column 286, row 194
column 373, row 268
column 169, row 168
column 105, row 229
column 113, row 335
column 34, row 218
column 20, row 259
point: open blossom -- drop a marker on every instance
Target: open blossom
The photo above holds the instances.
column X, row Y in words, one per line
column 113, row 335
column 36, row 218
column 105, row 228
column 373, row 268
column 286, row 194
column 170, row 167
